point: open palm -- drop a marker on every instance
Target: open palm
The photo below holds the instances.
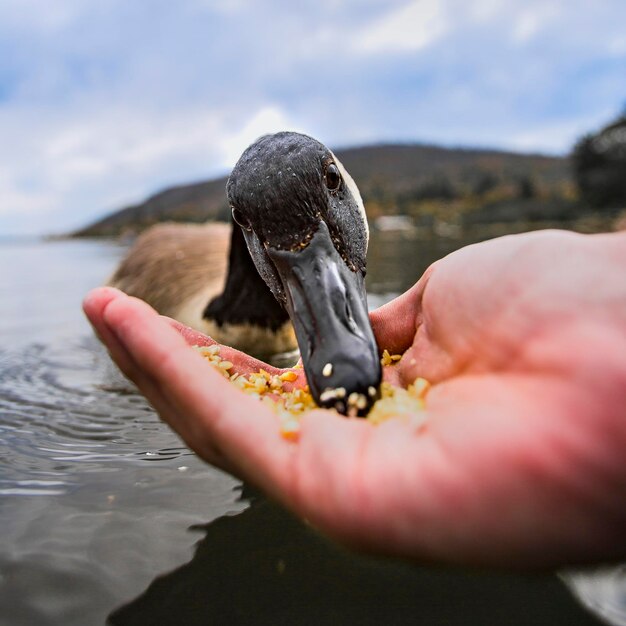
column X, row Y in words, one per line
column 521, row 460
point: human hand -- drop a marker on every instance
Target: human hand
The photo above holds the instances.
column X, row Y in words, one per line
column 521, row 460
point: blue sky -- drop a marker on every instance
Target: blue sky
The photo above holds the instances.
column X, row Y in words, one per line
column 103, row 103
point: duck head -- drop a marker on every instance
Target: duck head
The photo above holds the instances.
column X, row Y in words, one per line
column 304, row 224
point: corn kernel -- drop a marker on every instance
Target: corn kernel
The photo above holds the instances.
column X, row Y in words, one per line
column 407, row 404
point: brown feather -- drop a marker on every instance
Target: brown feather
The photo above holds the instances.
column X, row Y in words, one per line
column 173, row 263
column 178, row 269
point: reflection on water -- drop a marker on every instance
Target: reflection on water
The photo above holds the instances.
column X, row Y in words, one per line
column 101, row 504
column 603, row 591
column 96, row 495
column 264, row 567
column 396, row 259
column 61, row 419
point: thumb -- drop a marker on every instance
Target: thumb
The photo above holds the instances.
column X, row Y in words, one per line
column 395, row 323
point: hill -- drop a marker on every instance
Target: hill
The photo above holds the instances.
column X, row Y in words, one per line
column 418, row 180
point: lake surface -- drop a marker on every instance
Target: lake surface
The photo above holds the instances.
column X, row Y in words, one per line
column 106, row 515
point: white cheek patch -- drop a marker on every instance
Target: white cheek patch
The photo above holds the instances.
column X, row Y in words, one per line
column 354, row 190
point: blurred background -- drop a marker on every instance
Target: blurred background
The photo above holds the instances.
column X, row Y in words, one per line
column 103, row 105
column 459, row 121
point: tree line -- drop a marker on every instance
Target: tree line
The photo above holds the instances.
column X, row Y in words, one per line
column 599, row 164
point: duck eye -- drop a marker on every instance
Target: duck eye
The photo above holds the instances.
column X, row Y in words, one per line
column 241, row 219
column 332, row 177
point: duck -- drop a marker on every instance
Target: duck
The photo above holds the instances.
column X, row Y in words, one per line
column 288, row 271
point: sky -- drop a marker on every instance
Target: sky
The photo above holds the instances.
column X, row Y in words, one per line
column 104, row 103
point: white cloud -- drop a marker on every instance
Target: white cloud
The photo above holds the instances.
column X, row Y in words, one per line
column 530, row 20
column 484, row 10
column 231, row 7
column 269, row 119
column 617, row 46
column 97, row 159
column 555, row 136
column 407, row 29
column 15, row 200
column 39, row 15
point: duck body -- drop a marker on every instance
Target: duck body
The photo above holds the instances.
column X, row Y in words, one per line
column 295, row 255
column 182, row 271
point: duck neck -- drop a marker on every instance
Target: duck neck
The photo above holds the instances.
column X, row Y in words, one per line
column 246, row 298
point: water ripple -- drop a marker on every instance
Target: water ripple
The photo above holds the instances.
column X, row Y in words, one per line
column 66, row 410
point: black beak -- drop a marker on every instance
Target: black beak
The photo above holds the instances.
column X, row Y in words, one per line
column 327, row 305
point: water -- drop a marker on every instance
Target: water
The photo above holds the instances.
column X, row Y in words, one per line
column 105, row 514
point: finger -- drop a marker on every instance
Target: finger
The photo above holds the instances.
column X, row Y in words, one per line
column 94, row 305
column 190, row 335
column 210, row 412
column 396, row 322
column 242, row 363
column 400, row 327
